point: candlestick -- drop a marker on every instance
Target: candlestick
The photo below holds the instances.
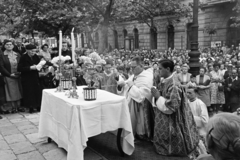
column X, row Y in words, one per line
column 60, row 44
column 73, row 46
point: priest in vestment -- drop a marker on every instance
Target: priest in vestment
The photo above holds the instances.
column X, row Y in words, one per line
column 137, row 90
column 175, row 131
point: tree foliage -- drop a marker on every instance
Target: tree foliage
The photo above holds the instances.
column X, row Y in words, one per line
column 50, row 16
column 236, row 18
column 12, row 18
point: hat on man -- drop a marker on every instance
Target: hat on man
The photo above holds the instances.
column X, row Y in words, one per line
column 30, row 47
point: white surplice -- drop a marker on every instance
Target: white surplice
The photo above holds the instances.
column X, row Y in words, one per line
column 137, row 94
column 200, row 114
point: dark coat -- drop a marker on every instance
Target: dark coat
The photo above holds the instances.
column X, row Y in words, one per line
column 233, row 94
column 30, row 81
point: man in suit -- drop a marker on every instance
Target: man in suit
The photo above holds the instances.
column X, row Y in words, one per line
column 232, row 86
column 19, row 48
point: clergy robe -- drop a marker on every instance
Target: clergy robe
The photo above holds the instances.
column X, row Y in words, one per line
column 139, row 100
column 200, row 114
column 175, row 131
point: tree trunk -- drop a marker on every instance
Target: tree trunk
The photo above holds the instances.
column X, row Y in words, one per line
column 103, row 39
column 91, row 41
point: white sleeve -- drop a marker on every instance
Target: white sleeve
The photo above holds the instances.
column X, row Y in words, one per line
column 160, row 104
column 138, row 94
column 203, row 118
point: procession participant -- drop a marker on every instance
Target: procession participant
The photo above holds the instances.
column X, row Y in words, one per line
column 108, row 81
column 203, row 87
column 137, row 90
column 30, row 78
column 232, row 86
column 175, row 131
column 200, row 114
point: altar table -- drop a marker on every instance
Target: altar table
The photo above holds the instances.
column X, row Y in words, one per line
column 70, row 122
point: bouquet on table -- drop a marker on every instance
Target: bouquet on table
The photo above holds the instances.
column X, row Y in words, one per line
column 64, row 71
column 91, row 76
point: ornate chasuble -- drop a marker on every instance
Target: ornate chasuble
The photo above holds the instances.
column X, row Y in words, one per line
column 175, row 134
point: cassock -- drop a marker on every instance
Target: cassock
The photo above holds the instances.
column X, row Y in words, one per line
column 139, row 99
column 175, row 132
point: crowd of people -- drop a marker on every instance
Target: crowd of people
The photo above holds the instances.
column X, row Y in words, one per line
column 168, row 105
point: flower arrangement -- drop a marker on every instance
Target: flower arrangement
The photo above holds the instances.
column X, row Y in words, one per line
column 91, row 76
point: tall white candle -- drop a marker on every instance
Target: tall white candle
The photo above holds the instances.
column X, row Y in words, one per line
column 60, row 43
column 73, row 46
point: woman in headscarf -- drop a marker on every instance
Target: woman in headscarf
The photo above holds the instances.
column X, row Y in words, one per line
column 9, row 62
column 30, row 78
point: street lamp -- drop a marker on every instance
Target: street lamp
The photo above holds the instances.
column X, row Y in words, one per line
column 194, row 54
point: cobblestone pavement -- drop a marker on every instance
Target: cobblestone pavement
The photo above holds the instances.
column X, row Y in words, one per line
column 19, row 140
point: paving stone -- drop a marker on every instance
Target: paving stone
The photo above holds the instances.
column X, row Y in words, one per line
column 36, row 124
column 30, row 156
column 56, row 154
column 33, row 138
column 3, row 145
column 15, row 138
column 30, row 131
column 24, row 123
column 45, row 147
column 91, row 155
column 35, row 120
column 5, row 123
column 7, row 155
column 32, row 116
column 10, row 132
column 13, row 116
column 18, row 120
column 10, row 127
column 27, row 127
column 22, row 147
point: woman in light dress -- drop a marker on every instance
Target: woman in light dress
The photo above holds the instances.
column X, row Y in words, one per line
column 217, row 92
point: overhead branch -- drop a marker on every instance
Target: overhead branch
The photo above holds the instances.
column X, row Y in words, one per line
column 88, row 1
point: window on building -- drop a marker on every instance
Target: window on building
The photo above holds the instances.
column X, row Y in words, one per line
column 115, row 37
column 233, row 35
column 125, row 33
column 136, row 38
column 96, row 39
column 189, row 38
column 82, row 40
column 153, row 38
column 170, row 36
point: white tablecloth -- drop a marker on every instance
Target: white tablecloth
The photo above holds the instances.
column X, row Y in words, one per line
column 70, row 122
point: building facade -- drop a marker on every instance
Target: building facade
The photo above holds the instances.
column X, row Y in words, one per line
column 214, row 15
